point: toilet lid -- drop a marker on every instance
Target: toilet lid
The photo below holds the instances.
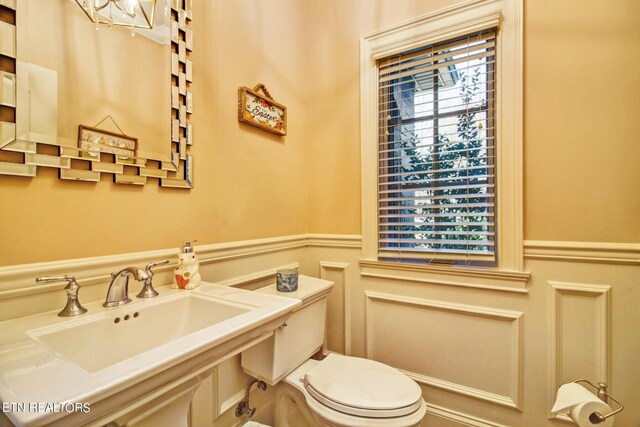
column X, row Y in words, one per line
column 362, row 387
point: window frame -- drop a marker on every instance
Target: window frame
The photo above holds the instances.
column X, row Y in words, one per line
column 451, row 22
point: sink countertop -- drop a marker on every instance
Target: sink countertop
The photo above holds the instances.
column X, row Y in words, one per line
column 32, row 373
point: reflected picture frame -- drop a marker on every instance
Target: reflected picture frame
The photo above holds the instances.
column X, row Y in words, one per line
column 93, row 141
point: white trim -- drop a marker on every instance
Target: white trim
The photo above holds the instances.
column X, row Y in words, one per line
column 334, row 240
column 447, row 23
column 203, row 407
column 461, row 18
column 595, row 252
column 515, row 399
column 215, row 410
column 346, row 298
column 258, row 275
column 495, row 280
column 602, row 341
column 461, row 389
column 432, row 281
column 19, row 280
column 232, row 402
column 459, row 417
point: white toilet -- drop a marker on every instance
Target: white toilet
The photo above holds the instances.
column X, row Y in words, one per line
column 337, row 391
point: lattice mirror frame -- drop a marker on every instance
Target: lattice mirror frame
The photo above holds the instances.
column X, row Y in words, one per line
column 22, row 158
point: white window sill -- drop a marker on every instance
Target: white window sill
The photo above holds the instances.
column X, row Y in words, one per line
column 468, row 277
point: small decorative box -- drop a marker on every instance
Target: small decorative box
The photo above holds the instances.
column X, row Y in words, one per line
column 287, row 280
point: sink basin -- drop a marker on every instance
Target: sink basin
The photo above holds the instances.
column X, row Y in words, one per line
column 144, row 359
column 98, row 343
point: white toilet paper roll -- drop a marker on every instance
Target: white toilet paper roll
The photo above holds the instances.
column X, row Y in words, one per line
column 580, row 413
column 579, row 403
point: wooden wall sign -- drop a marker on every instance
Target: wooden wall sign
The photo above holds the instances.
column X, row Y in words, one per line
column 261, row 110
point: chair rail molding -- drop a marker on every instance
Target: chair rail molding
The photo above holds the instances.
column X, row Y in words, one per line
column 19, row 280
column 596, row 252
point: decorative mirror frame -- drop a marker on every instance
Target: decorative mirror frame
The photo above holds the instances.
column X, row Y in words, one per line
column 25, row 157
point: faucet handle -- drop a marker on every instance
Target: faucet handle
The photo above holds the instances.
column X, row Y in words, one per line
column 147, row 288
column 151, row 265
column 73, row 306
column 56, row 279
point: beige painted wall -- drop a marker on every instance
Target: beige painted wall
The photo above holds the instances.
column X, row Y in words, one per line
column 580, row 114
column 580, row 147
column 336, row 137
column 248, row 183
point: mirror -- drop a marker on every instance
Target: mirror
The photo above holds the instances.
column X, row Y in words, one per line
column 129, row 86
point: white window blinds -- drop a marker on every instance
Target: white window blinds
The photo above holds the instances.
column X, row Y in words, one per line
column 436, row 157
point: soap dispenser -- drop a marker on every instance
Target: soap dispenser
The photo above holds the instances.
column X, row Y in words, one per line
column 187, row 274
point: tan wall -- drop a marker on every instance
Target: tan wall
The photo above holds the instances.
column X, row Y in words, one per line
column 335, row 130
column 248, row 183
column 580, row 147
column 580, row 115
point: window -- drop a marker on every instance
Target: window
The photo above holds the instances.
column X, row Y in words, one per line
column 441, row 139
column 436, row 139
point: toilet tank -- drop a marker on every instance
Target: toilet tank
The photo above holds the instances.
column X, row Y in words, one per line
column 298, row 339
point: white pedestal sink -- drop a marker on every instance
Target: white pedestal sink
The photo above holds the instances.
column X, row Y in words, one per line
column 138, row 364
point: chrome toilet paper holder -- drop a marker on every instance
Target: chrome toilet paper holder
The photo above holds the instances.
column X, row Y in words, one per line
column 601, row 392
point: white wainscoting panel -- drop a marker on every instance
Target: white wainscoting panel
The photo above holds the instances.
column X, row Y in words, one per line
column 438, row 416
column 338, row 307
column 472, row 350
column 202, row 411
column 580, row 334
column 469, row 359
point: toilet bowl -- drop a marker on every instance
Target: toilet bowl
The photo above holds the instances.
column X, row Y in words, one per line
column 347, row 391
column 339, row 391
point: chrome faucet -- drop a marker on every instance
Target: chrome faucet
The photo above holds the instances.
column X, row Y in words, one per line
column 118, row 293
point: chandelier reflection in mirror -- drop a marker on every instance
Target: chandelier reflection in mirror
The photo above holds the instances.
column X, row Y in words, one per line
column 124, row 13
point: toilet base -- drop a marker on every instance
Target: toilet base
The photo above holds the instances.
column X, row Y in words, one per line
column 294, row 407
column 291, row 409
